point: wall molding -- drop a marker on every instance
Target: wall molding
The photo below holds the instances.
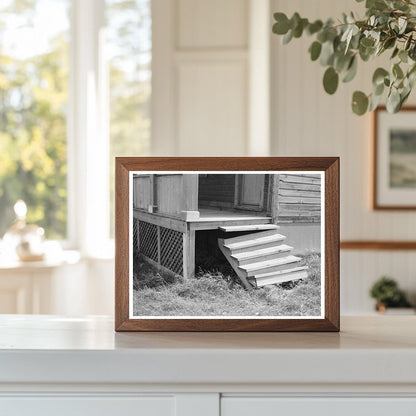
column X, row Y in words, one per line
column 377, row 245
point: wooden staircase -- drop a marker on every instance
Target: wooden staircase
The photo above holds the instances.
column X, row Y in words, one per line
column 261, row 257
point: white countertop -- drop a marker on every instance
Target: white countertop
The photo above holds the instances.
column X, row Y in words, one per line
column 53, row 349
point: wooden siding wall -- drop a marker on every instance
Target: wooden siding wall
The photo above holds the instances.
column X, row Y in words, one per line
column 169, row 194
column 141, row 192
column 216, row 190
column 299, row 198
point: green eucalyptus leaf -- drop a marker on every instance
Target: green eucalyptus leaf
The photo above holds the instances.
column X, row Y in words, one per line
column 379, row 75
column 397, row 71
column 330, row 80
column 378, row 89
column 288, row 37
column 367, row 42
column 327, row 54
column 400, row 5
column 282, row 26
column 366, row 53
column 389, row 43
column 314, row 27
column 395, row 52
column 298, row 30
column 408, row 42
column 351, row 71
column 393, row 101
column 403, row 56
column 315, row 50
column 341, row 62
column 374, row 102
column 359, row 103
column 376, row 4
column 402, row 22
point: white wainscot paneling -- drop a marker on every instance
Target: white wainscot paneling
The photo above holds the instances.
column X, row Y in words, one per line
column 360, row 269
column 212, row 24
column 87, row 406
column 212, row 108
column 317, row 406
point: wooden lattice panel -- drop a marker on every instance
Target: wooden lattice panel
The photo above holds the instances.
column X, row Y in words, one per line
column 171, row 250
column 148, row 240
column 161, row 245
column 135, row 236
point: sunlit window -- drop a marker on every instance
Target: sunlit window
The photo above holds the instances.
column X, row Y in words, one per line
column 33, row 103
column 129, row 57
column 42, row 80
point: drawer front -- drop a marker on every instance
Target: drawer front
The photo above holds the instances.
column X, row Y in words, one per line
column 273, row 406
column 87, row 406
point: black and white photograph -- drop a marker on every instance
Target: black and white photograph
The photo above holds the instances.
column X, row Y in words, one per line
column 226, row 244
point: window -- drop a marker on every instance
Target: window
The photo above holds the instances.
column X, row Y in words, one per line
column 33, row 102
column 129, row 46
column 75, row 87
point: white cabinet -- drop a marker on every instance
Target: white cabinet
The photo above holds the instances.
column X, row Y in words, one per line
column 272, row 406
column 88, row 406
column 52, row 365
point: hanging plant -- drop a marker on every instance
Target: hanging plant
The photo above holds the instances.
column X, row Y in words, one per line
column 388, row 27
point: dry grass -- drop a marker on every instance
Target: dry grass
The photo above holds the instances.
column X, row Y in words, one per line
column 211, row 294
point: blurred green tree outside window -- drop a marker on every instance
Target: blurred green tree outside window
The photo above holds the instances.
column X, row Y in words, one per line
column 34, row 86
column 129, row 46
column 33, row 101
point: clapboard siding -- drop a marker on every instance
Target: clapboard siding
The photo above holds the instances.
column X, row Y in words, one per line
column 169, row 191
column 142, row 194
column 304, row 200
column 218, row 189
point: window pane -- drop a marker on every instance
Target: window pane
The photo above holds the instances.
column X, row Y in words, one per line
column 33, row 100
column 129, row 45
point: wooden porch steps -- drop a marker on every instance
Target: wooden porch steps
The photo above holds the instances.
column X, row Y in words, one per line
column 263, row 254
column 251, row 242
column 256, row 227
column 259, row 258
column 282, row 276
column 270, row 265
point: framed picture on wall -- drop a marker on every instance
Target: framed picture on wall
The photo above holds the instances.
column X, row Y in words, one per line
column 394, row 185
column 227, row 244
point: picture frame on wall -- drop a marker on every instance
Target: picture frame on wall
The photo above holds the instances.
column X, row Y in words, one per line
column 227, row 244
column 394, row 151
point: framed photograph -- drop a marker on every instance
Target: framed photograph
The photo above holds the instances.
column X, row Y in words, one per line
column 395, row 159
column 227, row 244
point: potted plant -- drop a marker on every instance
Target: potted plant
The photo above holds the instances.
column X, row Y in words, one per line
column 387, row 294
column 389, row 27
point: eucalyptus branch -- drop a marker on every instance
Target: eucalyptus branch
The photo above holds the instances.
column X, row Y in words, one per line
column 388, row 25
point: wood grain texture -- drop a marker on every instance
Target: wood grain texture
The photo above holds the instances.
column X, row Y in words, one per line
column 330, row 165
column 378, row 245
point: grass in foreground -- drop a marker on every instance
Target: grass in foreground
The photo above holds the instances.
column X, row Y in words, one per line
column 211, row 294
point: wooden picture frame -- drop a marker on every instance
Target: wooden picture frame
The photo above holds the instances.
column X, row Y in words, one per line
column 394, row 185
column 150, row 202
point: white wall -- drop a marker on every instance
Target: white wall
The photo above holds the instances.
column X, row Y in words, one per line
column 203, row 84
column 308, row 122
column 207, row 66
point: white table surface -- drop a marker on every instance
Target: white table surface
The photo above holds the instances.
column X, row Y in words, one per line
column 49, row 349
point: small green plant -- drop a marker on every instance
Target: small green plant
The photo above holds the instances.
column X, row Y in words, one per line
column 388, row 294
column 389, row 26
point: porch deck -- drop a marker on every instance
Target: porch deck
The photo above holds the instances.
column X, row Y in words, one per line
column 214, row 218
column 206, row 214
